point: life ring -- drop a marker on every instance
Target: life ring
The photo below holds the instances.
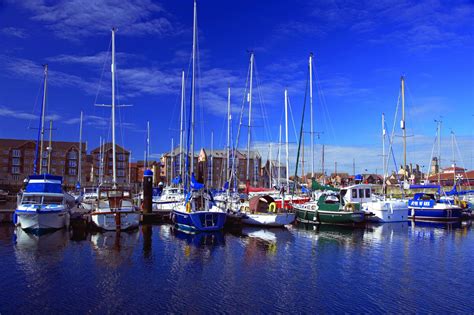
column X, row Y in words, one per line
column 188, row 207
column 272, row 207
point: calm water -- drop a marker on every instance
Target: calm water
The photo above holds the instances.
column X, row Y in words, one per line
column 387, row 268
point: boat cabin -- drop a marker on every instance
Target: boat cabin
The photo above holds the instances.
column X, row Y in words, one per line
column 359, row 193
column 115, row 198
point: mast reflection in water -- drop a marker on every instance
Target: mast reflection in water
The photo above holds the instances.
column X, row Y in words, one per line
column 399, row 267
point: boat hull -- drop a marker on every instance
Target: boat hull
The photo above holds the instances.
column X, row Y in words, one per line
column 199, row 220
column 305, row 215
column 113, row 221
column 269, row 219
column 435, row 214
column 386, row 211
column 42, row 220
column 340, row 217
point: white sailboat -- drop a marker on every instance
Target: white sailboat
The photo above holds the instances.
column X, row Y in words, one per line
column 43, row 205
column 114, row 209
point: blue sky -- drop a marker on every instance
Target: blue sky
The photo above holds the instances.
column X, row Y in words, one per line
column 361, row 48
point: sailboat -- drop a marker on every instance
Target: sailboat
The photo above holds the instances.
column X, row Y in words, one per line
column 198, row 211
column 114, row 208
column 43, row 204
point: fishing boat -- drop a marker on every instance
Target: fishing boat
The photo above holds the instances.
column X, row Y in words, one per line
column 43, row 204
column 114, row 208
column 263, row 211
column 430, row 206
column 198, row 211
column 330, row 205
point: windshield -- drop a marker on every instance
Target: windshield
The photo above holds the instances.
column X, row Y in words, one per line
column 31, row 200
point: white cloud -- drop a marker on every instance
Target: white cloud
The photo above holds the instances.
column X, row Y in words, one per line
column 14, row 32
column 74, row 19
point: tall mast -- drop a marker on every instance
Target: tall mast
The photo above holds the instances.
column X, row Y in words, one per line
column 43, row 109
column 114, row 158
column 99, row 180
column 229, row 119
column 50, row 146
column 181, row 128
column 130, row 169
column 286, row 138
column 403, row 127
column 79, row 172
column 439, row 152
column 270, row 167
column 322, row 166
column 250, row 116
column 172, row 161
column 454, row 158
column 193, row 91
column 311, row 110
column 279, row 158
column 383, row 150
column 148, row 144
column 212, row 157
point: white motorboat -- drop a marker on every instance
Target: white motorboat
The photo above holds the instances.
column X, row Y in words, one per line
column 114, row 210
column 377, row 209
column 170, row 198
column 43, row 205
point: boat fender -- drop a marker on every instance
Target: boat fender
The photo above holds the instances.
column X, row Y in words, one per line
column 188, row 207
column 15, row 218
column 272, row 207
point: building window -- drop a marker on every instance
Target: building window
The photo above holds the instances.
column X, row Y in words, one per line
column 15, row 161
column 121, row 157
column 120, row 173
column 44, row 162
column 15, row 170
column 16, row 153
column 72, row 155
column 72, row 171
column 16, row 177
column 72, row 163
column 44, row 170
column 45, row 153
column 120, row 164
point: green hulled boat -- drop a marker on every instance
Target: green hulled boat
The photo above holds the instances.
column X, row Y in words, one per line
column 329, row 209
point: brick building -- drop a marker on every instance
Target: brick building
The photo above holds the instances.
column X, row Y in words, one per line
column 17, row 162
column 122, row 159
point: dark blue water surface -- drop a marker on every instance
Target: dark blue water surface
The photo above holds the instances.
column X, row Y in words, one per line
column 397, row 268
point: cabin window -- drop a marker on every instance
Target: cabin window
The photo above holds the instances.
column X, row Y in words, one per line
column 16, row 153
column 354, row 193
column 361, row 193
column 52, row 200
column 31, row 200
column 367, row 193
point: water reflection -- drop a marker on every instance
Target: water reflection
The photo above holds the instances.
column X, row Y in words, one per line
column 264, row 241
column 332, row 234
column 114, row 248
column 200, row 243
column 437, row 230
column 36, row 255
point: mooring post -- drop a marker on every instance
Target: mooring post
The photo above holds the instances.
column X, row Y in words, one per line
column 147, row 191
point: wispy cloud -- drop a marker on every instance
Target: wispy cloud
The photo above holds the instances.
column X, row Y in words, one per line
column 14, row 32
column 74, row 19
column 417, row 25
column 19, row 114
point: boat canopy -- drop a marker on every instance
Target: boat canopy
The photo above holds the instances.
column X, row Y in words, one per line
column 44, row 183
column 260, row 203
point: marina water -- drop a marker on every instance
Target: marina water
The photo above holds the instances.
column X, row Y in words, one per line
column 399, row 267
